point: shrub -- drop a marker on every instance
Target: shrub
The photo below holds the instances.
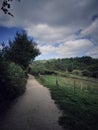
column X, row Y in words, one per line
column 77, row 72
column 13, row 80
column 95, row 74
column 86, row 73
column 3, row 77
column 16, row 82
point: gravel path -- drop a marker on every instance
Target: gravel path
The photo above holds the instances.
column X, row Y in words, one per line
column 34, row 110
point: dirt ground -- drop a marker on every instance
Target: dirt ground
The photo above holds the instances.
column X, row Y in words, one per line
column 34, row 110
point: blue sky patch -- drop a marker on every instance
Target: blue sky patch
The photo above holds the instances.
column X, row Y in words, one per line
column 8, row 33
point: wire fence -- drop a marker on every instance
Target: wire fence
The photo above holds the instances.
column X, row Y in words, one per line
column 75, row 84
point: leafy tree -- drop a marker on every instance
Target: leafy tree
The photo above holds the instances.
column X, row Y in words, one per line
column 21, row 50
column 86, row 66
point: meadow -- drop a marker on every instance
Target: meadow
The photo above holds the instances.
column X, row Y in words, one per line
column 78, row 100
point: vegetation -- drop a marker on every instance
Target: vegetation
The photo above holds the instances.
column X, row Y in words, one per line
column 81, row 66
column 14, row 60
column 16, row 80
column 13, row 81
column 79, row 106
column 21, row 50
column 73, row 83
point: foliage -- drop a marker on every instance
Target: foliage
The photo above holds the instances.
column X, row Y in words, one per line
column 17, row 80
column 77, row 72
column 36, row 68
column 3, row 76
column 86, row 73
column 13, row 80
column 85, row 65
column 21, row 50
column 6, row 5
column 13, row 62
column 79, row 108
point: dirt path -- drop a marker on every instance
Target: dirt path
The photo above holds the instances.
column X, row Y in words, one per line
column 35, row 110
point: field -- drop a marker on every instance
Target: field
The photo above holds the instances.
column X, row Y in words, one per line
column 78, row 100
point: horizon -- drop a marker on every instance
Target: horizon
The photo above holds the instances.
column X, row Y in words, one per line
column 63, row 58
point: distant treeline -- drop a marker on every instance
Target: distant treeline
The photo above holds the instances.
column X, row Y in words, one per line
column 84, row 66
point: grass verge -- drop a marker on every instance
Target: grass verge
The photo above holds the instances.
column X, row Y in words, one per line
column 80, row 108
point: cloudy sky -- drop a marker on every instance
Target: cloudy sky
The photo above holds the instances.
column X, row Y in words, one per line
column 62, row 28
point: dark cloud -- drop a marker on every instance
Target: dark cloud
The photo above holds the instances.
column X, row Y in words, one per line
column 55, row 12
column 94, row 17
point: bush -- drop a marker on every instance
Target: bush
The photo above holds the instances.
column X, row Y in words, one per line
column 36, row 70
column 76, row 72
column 86, row 73
column 17, row 80
column 3, row 77
column 95, row 74
column 13, row 80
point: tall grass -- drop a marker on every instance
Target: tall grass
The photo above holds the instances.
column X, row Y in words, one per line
column 80, row 108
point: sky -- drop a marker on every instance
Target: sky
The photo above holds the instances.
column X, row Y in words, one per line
column 61, row 28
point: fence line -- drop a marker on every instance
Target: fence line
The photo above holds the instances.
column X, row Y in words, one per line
column 82, row 87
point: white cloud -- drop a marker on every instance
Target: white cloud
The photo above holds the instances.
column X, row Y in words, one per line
column 75, row 47
column 46, row 49
column 68, row 48
column 46, row 33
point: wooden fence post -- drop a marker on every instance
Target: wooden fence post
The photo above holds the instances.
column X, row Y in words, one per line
column 81, row 85
column 74, row 86
column 57, row 81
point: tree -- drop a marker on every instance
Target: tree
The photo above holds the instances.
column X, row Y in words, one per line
column 21, row 50
column 6, row 5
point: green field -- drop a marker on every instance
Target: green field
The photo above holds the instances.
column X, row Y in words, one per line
column 78, row 100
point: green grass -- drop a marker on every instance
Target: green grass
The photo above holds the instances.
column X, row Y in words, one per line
column 80, row 107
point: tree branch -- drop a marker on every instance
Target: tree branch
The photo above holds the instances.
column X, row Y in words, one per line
column 6, row 5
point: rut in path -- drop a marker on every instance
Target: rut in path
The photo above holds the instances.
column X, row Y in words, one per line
column 34, row 110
